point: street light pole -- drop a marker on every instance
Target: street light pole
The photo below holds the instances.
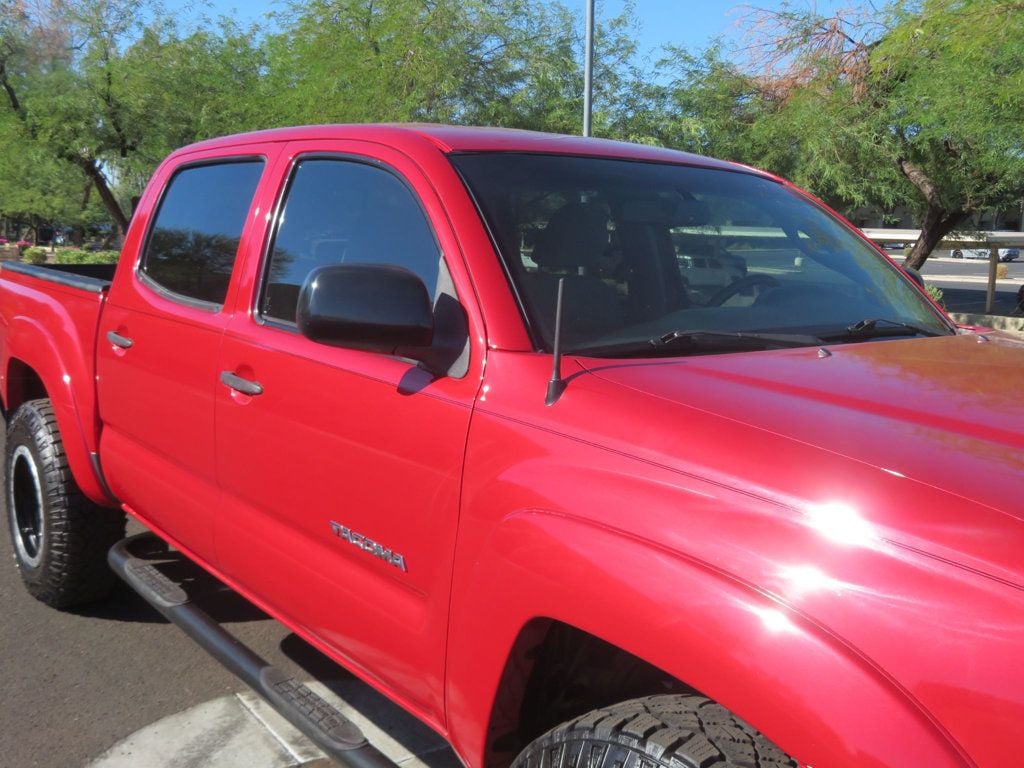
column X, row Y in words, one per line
column 588, row 68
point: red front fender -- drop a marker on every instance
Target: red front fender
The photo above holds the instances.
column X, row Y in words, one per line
column 817, row 698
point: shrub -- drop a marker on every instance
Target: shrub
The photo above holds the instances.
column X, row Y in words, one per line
column 935, row 293
column 77, row 256
column 34, row 255
column 1002, row 271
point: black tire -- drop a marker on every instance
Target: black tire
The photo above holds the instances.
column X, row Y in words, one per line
column 670, row 731
column 957, row 254
column 60, row 537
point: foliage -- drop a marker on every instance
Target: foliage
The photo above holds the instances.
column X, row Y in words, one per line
column 507, row 62
column 935, row 293
column 78, row 256
column 699, row 103
column 918, row 105
column 34, row 255
column 96, row 92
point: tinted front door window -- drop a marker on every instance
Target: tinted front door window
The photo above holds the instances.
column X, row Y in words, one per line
column 339, row 211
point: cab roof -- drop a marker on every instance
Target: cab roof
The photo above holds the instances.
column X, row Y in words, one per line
column 453, row 139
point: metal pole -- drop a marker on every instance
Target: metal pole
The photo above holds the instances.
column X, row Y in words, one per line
column 588, row 68
column 993, row 267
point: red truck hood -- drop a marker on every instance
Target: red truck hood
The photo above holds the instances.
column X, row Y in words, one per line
column 925, row 436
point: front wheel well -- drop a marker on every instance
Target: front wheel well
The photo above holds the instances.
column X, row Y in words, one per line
column 556, row 672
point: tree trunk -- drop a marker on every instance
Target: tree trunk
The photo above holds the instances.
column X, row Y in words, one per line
column 939, row 219
column 938, row 222
column 92, row 170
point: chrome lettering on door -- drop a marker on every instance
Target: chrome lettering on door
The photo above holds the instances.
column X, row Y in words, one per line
column 369, row 545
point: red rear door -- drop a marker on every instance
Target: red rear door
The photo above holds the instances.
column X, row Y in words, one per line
column 160, row 336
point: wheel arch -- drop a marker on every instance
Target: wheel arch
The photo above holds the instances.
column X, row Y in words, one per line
column 22, row 383
column 708, row 632
column 34, row 368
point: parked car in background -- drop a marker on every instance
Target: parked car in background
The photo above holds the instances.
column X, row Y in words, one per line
column 1005, row 254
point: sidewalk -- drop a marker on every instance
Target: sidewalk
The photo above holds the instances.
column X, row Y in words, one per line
column 242, row 731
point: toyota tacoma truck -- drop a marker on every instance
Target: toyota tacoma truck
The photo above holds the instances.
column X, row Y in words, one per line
column 467, row 410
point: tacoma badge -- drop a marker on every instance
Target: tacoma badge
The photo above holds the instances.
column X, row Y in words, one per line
column 368, row 545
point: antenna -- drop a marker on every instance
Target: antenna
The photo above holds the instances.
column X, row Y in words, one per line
column 557, row 384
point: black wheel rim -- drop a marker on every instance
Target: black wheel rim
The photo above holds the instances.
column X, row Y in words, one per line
column 26, row 505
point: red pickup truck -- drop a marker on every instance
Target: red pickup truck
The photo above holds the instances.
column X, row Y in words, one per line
column 582, row 452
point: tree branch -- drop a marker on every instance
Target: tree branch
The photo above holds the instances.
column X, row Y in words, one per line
column 920, row 179
column 12, row 96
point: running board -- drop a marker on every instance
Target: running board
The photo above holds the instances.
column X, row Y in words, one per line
column 329, row 729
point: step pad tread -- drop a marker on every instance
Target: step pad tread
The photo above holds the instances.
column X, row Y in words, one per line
column 313, row 708
column 150, row 578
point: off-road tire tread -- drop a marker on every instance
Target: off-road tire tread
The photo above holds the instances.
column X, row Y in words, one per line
column 671, row 731
column 73, row 569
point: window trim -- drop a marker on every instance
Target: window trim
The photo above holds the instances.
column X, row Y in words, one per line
column 213, row 307
column 282, row 198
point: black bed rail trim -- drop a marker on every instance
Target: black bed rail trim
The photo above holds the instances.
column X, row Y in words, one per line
column 56, row 275
column 329, row 729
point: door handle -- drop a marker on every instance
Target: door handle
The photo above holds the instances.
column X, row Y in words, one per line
column 119, row 341
column 237, row 383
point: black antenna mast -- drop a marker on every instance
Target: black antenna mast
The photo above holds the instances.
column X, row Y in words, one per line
column 557, row 384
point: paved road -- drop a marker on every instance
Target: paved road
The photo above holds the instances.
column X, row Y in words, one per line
column 75, row 683
column 964, row 281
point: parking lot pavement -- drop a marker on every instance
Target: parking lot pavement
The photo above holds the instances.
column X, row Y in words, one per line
column 116, row 686
column 87, row 685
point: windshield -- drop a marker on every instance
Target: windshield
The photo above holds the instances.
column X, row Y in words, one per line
column 650, row 250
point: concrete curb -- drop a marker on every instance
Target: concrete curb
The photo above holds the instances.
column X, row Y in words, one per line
column 1012, row 325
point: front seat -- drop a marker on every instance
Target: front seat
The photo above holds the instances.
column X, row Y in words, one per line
column 571, row 246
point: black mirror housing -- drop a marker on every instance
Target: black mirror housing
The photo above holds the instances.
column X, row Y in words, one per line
column 373, row 307
column 914, row 275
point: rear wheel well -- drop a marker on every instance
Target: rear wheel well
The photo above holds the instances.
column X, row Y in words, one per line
column 556, row 672
column 23, row 384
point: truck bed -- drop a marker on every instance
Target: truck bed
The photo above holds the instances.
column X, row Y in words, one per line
column 88, row 277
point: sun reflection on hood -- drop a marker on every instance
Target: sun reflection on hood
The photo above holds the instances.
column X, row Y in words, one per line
column 842, row 524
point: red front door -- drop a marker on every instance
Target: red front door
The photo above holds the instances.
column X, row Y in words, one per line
column 341, row 479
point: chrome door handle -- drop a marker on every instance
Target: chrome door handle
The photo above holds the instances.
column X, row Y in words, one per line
column 237, row 383
column 119, row 341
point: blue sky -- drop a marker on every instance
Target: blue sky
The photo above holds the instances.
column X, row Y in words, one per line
column 690, row 23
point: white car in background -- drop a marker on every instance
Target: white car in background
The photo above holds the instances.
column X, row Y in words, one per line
column 1005, row 254
column 706, row 275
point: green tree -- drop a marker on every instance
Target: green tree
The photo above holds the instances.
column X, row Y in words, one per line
column 919, row 105
column 699, row 103
column 512, row 63
column 109, row 87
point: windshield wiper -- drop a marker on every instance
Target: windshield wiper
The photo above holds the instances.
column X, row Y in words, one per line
column 701, row 341
column 870, row 328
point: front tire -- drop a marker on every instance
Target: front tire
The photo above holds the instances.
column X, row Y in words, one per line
column 669, row 731
column 60, row 537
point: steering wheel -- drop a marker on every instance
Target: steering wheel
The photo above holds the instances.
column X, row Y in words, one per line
column 748, row 281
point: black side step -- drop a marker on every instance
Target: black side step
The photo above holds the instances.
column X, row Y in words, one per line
column 330, row 730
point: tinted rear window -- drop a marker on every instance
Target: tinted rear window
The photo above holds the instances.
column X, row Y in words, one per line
column 194, row 239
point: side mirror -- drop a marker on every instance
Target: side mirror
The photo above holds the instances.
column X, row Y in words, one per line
column 373, row 307
column 914, row 275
